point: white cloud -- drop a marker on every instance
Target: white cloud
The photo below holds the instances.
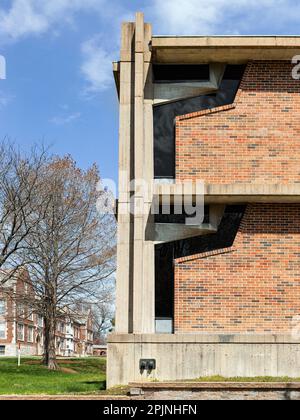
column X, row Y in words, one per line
column 2, row 67
column 185, row 17
column 27, row 17
column 21, row 19
column 193, row 17
column 65, row 119
column 97, row 65
column 35, row 17
column 5, row 99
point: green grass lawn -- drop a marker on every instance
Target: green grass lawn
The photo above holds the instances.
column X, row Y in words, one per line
column 76, row 376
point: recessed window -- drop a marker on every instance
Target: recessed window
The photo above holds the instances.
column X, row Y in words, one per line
column 30, row 334
column 170, row 215
column 2, row 350
column 180, row 73
column 20, row 332
column 30, row 313
column 40, row 321
column 20, row 310
column 2, row 329
column 2, row 307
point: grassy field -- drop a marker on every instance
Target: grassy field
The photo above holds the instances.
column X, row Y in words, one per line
column 75, row 376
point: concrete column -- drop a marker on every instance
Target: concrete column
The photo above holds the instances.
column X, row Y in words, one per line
column 143, row 276
column 135, row 273
column 125, row 222
column 148, row 162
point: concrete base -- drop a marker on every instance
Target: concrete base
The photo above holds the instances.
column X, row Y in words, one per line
column 184, row 357
column 216, row 391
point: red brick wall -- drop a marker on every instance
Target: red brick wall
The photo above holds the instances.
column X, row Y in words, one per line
column 255, row 141
column 18, row 291
column 254, row 286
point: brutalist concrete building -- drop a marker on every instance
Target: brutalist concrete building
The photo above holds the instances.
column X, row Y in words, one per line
column 220, row 296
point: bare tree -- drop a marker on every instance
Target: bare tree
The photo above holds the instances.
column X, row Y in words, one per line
column 70, row 251
column 19, row 183
column 103, row 313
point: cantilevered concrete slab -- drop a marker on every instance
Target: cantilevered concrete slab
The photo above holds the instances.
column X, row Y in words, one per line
column 167, row 232
column 232, row 49
column 216, row 49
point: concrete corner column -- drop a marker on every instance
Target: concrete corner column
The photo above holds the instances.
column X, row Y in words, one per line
column 126, row 174
column 143, row 281
column 135, row 273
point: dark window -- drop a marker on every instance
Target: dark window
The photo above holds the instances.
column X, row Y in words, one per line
column 164, row 281
column 2, row 350
column 168, row 73
column 178, row 218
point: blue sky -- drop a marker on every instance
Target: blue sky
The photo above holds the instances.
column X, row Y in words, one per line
column 59, row 87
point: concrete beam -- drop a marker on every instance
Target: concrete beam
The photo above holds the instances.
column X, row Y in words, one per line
column 232, row 193
column 249, row 41
column 224, row 49
column 204, row 338
column 221, row 55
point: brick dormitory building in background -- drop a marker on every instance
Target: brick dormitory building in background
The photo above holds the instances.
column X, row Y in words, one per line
column 219, row 297
column 21, row 328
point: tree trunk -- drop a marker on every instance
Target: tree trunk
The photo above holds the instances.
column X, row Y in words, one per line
column 45, row 359
column 52, row 362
